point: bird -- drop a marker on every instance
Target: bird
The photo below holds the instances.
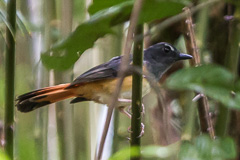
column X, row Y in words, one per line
column 98, row 83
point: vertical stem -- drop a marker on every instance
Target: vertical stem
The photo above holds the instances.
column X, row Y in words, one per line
column 10, row 78
column 190, row 113
column 63, row 110
column 48, row 12
column 222, row 121
column 202, row 28
column 81, row 110
column 137, row 93
column 231, row 62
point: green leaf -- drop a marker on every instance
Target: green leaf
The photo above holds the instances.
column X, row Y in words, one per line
column 160, row 151
column 124, row 154
column 98, row 5
column 68, row 50
column 228, row 147
column 188, row 152
column 3, row 18
column 212, row 80
column 157, row 9
column 205, row 148
column 19, row 21
column 204, row 145
column 148, row 152
column 22, row 24
column 3, row 156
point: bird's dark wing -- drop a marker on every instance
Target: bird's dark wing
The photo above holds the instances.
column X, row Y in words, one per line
column 103, row 71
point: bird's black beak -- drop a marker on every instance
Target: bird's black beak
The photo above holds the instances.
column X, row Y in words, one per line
column 183, row 56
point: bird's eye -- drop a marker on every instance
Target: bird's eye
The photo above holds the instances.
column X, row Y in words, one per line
column 167, row 49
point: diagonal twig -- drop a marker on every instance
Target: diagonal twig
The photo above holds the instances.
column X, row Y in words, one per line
column 123, row 68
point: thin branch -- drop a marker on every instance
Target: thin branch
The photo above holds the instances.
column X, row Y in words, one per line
column 10, row 78
column 123, row 68
column 193, row 50
column 203, row 106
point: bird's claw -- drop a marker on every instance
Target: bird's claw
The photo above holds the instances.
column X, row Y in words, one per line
column 142, row 112
column 141, row 133
column 142, row 130
column 129, row 129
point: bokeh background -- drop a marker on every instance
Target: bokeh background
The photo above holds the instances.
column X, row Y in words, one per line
column 72, row 132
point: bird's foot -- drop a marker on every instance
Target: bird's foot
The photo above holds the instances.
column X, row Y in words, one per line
column 142, row 130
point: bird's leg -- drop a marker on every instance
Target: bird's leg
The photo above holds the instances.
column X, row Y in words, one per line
column 122, row 110
column 127, row 102
column 124, row 102
column 127, row 113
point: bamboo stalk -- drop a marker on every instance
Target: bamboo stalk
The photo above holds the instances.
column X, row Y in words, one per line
column 231, row 62
column 82, row 134
column 64, row 113
column 42, row 78
column 10, row 78
column 137, row 95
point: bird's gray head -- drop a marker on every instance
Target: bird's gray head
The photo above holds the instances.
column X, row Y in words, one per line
column 161, row 56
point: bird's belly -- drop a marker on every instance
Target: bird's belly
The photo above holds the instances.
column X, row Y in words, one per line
column 102, row 91
column 125, row 93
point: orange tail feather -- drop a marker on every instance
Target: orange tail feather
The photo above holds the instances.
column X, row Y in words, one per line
column 39, row 98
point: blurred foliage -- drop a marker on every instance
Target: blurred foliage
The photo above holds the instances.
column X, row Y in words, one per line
column 215, row 81
column 1, row 88
column 3, row 155
column 22, row 72
column 148, row 152
column 79, row 11
column 26, row 148
column 212, row 80
column 67, row 51
column 125, row 153
column 162, row 152
column 22, row 23
column 203, row 147
column 98, row 5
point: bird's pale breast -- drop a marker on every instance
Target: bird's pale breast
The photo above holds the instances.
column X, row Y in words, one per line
column 102, row 91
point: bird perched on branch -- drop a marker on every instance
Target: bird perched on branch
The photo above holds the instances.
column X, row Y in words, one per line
column 99, row 83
